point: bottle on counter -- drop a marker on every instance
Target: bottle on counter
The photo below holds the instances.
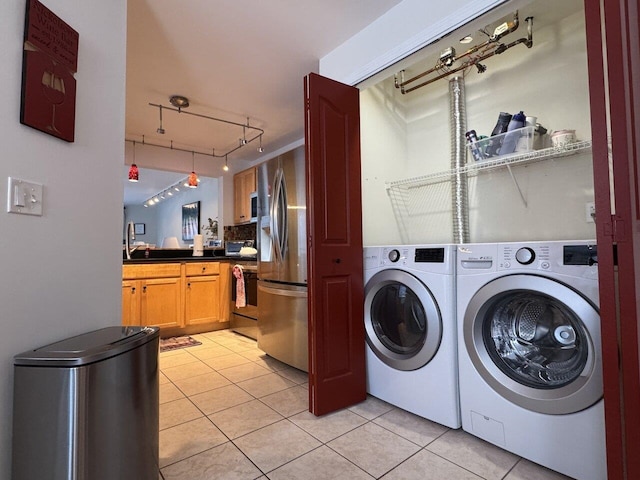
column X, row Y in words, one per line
column 511, row 139
column 501, row 127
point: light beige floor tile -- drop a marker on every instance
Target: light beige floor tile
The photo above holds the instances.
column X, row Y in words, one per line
column 188, row 370
column 288, row 402
column 244, row 372
column 226, row 361
column 254, row 354
column 425, row 465
column 239, row 347
column 371, row 408
column 373, row 448
column 415, row 429
column 169, row 392
column 244, row 418
column 475, row 455
column 319, row 464
column 169, row 353
column 224, row 462
column 265, row 385
column 211, row 350
column 174, row 360
column 293, row 374
column 201, row 383
column 162, row 379
column 526, row 470
column 330, row 426
column 187, row 439
column 177, row 412
column 220, row 399
column 285, row 442
column 201, row 338
column 271, row 363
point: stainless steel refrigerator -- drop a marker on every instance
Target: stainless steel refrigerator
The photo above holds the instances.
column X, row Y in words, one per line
column 282, row 259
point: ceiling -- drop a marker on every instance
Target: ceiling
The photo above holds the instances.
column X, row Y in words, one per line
column 238, row 60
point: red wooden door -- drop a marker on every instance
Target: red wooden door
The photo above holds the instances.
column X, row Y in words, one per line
column 614, row 86
column 334, row 226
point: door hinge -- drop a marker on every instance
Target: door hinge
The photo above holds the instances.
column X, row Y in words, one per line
column 615, row 229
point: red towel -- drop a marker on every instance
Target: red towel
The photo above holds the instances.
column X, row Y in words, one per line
column 241, row 299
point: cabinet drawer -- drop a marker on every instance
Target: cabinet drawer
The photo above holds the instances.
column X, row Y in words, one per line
column 158, row 270
column 202, row 268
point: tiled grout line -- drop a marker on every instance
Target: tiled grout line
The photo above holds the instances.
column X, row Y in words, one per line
column 326, row 444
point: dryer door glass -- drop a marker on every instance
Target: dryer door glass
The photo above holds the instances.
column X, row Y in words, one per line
column 535, row 340
column 402, row 320
column 398, row 319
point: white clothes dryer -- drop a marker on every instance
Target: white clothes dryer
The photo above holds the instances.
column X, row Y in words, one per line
column 410, row 325
column 529, row 352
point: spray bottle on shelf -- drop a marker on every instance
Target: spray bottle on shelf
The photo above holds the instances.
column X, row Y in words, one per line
column 511, row 139
column 501, row 126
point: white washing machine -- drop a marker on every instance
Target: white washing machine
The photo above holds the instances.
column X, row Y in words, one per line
column 410, row 325
column 529, row 352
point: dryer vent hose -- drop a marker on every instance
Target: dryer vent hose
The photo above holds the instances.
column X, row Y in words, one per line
column 459, row 192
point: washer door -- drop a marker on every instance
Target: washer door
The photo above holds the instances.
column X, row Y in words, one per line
column 536, row 342
column 402, row 320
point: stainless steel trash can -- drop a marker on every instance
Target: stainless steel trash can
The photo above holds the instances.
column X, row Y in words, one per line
column 86, row 408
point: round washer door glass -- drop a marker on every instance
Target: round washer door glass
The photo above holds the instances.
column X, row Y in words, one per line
column 536, row 342
column 402, row 320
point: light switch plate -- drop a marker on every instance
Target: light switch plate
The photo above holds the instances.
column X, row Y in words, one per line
column 24, row 197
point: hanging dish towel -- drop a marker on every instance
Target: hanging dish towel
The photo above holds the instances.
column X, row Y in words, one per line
column 241, row 299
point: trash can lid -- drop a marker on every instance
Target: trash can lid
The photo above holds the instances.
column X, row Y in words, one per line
column 89, row 347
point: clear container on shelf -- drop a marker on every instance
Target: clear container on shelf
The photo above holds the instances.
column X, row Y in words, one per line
column 523, row 143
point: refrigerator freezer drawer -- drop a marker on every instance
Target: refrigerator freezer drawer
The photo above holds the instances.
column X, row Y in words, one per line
column 282, row 323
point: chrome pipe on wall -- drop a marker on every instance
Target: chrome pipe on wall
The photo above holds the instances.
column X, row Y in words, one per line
column 459, row 192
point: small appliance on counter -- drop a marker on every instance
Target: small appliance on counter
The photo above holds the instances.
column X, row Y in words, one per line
column 239, row 248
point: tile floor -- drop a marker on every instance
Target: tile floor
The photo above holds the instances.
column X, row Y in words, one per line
column 228, row 411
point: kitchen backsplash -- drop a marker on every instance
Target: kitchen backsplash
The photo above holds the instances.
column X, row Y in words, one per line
column 240, row 232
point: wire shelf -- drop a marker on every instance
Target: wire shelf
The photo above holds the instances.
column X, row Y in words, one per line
column 423, row 205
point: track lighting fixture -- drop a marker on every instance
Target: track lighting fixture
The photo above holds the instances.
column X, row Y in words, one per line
column 160, row 130
column 260, row 149
column 226, row 164
column 133, row 170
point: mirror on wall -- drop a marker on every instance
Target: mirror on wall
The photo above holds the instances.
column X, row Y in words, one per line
column 164, row 218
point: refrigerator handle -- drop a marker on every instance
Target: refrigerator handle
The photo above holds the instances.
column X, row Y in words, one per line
column 283, row 292
column 275, row 231
column 284, row 217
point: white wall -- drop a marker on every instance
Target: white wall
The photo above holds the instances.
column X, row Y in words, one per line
column 61, row 272
column 408, row 136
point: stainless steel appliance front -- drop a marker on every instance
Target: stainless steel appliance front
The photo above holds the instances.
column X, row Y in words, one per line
column 282, row 259
column 244, row 319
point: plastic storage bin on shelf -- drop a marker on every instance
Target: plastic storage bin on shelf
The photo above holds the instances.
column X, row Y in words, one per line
column 514, row 142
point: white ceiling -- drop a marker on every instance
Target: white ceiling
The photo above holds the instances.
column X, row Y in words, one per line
column 233, row 59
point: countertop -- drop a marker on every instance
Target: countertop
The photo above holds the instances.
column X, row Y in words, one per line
column 166, row 255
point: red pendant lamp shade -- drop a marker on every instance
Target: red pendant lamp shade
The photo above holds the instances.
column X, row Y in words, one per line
column 133, row 173
column 193, row 180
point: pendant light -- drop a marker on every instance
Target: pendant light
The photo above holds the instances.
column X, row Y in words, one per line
column 193, row 178
column 226, row 164
column 133, row 170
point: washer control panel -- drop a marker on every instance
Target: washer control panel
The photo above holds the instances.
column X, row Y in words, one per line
column 534, row 256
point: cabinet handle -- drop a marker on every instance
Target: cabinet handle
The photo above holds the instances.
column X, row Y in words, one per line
column 189, row 285
column 144, row 289
column 337, row 260
column 204, row 269
column 133, row 289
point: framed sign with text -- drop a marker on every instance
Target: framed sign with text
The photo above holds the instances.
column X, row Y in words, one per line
column 49, row 61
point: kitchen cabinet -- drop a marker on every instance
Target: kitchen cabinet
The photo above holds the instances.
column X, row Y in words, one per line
column 244, row 183
column 152, row 295
column 202, row 293
column 180, row 297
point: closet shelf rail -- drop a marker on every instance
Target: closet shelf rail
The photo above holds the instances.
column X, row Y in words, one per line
column 414, row 199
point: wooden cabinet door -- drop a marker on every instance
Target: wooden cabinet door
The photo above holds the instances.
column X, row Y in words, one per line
column 243, row 184
column 161, row 302
column 130, row 302
column 202, row 299
column 337, row 376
